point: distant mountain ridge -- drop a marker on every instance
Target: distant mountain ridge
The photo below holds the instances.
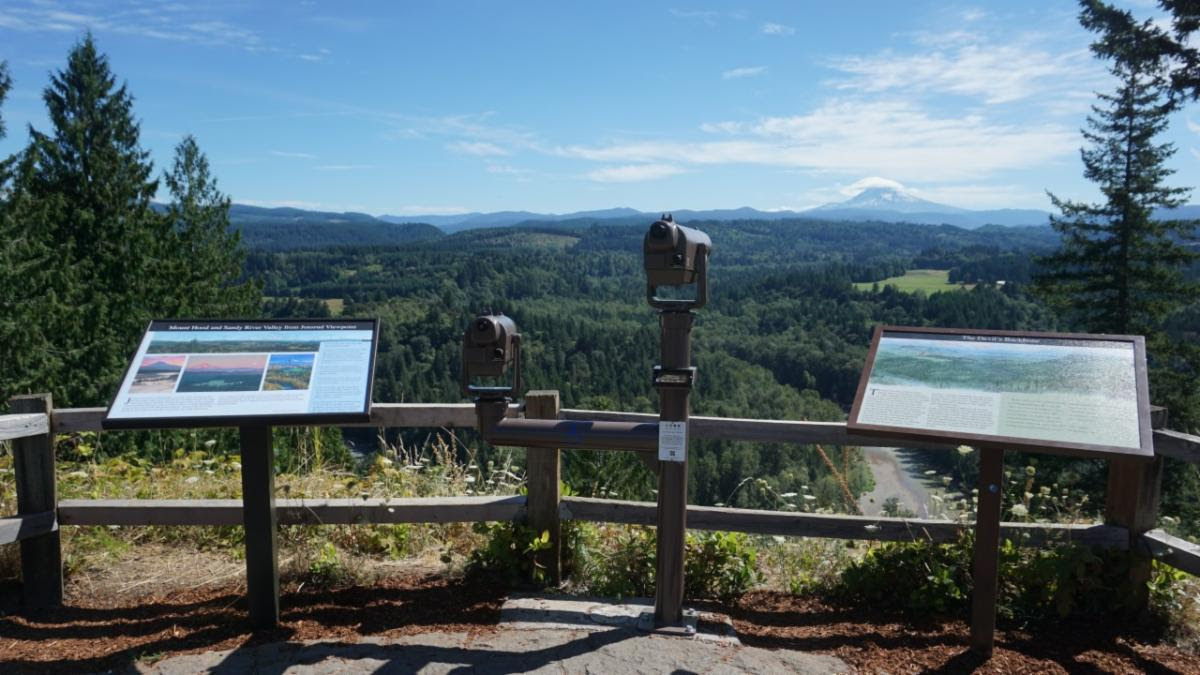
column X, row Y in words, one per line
column 883, row 204
column 287, row 228
column 284, row 228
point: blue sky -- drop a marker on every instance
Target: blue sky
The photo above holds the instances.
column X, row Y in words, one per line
column 423, row 107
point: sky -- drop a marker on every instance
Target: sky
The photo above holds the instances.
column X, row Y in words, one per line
column 411, row 108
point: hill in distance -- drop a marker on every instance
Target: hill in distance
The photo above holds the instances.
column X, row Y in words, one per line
column 282, row 229
column 881, row 204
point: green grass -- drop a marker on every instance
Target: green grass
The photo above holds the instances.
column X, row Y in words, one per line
column 930, row 281
column 335, row 305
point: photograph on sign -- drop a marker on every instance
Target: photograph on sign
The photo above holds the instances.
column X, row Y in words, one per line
column 196, row 372
column 1049, row 391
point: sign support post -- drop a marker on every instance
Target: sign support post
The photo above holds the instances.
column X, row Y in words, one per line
column 258, row 514
column 985, row 565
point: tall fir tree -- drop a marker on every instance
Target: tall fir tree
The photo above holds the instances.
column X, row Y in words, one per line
column 1118, row 269
column 88, row 185
column 206, row 256
column 25, row 352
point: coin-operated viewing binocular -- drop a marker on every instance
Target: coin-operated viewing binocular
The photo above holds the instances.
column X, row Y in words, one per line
column 490, row 345
column 675, row 255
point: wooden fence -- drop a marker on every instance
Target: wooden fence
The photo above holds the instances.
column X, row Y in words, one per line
column 1131, row 508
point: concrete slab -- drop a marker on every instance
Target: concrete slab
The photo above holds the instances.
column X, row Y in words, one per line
column 540, row 611
column 537, row 634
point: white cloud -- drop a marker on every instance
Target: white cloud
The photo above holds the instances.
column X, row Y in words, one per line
column 633, row 173
column 709, row 17
column 167, row 21
column 293, row 155
column 507, row 170
column 777, row 29
column 743, row 72
column 859, row 137
column 869, row 182
column 477, row 148
column 968, row 65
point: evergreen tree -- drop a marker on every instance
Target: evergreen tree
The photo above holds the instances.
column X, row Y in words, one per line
column 206, row 255
column 1118, row 269
column 88, row 186
column 24, row 351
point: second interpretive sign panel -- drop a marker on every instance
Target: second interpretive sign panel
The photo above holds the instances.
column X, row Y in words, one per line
column 229, row 373
column 1075, row 394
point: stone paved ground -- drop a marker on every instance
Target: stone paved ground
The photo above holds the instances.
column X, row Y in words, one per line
column 552, row 650
column 537, row 634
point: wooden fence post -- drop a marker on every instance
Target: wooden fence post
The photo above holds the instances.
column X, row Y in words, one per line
column 1132, row 500
column 33, row 464
column 543, row 468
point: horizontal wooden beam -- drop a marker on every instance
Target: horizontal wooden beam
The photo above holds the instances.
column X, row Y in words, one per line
column 837, row 526
column 23, row 425
column 415, row 415
column 71, row 420
column 1177, row 444
column 290, row 511
column 17, row 528
column 762, row 431
column 1178, row 553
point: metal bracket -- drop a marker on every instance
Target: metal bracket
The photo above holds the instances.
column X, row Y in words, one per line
column 686, row 628
column 684, row 378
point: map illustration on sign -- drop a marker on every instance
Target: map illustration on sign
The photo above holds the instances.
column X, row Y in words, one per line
column 209, row 372
column 1034, row 390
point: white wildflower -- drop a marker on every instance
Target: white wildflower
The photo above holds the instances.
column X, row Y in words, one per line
column 191, row 479
column 1019, row 511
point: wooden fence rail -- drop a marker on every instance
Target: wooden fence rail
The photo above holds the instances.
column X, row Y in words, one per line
column 1167, row 443
column 1132, row 507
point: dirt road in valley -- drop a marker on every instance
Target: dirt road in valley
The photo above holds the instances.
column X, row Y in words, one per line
column 894, row 477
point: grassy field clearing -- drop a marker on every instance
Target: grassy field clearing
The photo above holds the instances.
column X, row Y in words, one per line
column 930, row 281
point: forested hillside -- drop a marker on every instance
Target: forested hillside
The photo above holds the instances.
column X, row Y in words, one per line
column 784, row 335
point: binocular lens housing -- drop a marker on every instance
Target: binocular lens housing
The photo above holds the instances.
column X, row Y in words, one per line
column 675, row 255
column 490, row 345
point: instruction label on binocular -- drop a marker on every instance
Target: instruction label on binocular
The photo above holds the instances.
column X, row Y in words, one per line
column 672, row 441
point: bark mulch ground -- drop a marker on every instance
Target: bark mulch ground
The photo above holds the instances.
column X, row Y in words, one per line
column 874, row 643
column 98, row 633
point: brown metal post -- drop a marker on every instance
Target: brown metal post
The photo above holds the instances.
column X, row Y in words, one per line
column 1132, row 500
column 672, row 476
column 986, row 564
column 33, row 464
column 543, row 476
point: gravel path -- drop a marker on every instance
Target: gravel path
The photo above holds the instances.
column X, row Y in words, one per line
column 893, row 479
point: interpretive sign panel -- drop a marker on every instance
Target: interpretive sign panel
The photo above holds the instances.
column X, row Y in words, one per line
column 228, row 373
column 1067, row 393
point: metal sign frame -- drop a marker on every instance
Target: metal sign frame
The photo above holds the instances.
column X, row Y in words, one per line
column 1145, row 436
column 360, row 415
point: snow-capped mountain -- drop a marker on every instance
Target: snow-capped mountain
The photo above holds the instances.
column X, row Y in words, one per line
column 889, row 199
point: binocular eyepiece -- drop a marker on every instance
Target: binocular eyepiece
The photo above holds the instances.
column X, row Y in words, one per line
column 675, row 255
column 490, row 345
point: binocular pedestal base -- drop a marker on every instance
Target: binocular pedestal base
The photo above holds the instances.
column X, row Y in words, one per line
column 685, row 628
